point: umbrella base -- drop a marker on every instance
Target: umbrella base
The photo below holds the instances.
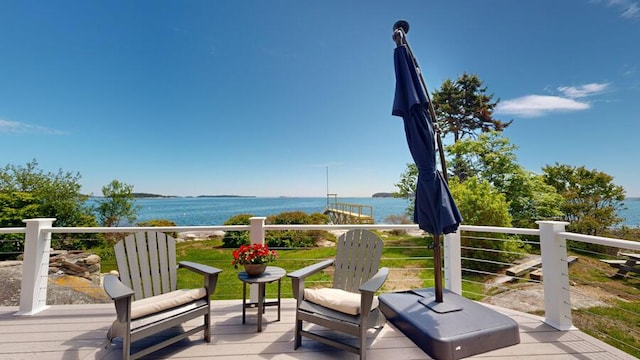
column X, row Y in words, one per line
column 440, row 307
column 473, row 329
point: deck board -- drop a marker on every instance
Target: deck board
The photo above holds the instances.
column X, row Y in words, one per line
column 78, row 332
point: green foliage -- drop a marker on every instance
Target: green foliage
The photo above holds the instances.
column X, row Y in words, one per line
column 296, row 238
column 491, row 157
column 407, row 186
column 117, row 204
column 28, row 192
column 464, row 108
column 278, row 238
column 234, row 239
column 591, row 199
column 481, row 204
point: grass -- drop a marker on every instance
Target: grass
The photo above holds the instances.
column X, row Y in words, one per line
column 617, row 323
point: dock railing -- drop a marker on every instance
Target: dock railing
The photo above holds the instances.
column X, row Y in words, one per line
column 348, row 213
column 552, row 240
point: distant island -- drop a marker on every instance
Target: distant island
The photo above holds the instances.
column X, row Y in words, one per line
column 383, row 195
column 148, row 195
column 225, row 196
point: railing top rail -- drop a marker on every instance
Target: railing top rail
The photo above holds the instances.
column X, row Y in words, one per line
column 497, row 229
column 14, row 230
column 87, row 230
column 600, row 240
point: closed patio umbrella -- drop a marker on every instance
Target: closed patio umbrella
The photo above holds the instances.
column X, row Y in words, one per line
column 435, row 210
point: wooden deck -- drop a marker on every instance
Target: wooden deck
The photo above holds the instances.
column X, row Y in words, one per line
column 78, row 332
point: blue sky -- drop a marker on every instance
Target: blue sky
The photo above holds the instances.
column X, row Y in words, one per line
column 262, row 97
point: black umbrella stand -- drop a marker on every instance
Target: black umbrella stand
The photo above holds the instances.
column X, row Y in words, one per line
column 400, row 30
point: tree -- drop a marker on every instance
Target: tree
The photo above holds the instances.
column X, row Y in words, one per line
column 407, row 186
column 55, row 195
column 117, row 204
column 464, row 108
column 591, row 199
column 491, row 157
column 28, row 192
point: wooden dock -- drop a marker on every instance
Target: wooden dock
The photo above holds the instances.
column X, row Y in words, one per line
column 346, row 213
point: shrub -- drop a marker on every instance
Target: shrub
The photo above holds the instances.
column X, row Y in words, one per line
column 480, row 204
column 235, row 239
column 296, row 238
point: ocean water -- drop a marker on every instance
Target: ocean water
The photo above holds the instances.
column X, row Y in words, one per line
column 215, row 211
column 631, row 213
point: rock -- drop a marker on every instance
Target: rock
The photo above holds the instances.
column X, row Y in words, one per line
column 76, row 263
column 92, row 259
column 62, row 289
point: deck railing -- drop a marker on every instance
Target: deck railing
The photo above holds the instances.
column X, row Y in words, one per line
column 552, row 240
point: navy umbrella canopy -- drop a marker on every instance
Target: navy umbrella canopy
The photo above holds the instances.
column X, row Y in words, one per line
column 435, row 210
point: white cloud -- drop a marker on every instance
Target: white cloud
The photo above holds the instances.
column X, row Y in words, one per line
column 632, row 11
column 628, row 8
column 538, row 105
column 574, row 92
column 7, row 126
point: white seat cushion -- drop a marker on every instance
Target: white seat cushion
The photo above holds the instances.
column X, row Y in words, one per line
column 155, row 304
column 337, row 299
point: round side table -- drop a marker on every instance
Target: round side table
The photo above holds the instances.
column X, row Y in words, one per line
column 271, row 274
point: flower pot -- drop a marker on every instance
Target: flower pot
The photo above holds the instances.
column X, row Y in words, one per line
column 255, row 269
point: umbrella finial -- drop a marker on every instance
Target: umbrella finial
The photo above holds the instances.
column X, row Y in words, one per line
column 401, row 24
column 400, row 29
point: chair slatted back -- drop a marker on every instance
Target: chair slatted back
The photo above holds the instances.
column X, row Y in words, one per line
column 147, row 263
column 357, row 259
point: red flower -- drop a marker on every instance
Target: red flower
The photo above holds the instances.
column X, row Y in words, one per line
column 253, row 254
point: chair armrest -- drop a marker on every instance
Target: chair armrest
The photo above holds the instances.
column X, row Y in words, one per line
column 210, row 274
column 311, row 269
column 369, row 288
column 375, row 283
column 115, row 288
column 199, row 268
column 298, row 276
column 122, row 297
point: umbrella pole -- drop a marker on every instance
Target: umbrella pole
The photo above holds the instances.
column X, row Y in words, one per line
column 437, row 267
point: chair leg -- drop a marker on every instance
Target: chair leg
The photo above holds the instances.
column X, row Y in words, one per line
column 363, row 343
column 126, row 347
column 298, row 337
column 207, row 327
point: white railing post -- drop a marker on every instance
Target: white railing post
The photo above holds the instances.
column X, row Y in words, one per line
column 555, row 269
column 453, row 263
column 257, row 237
column 257, row 229
column 35, row 266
